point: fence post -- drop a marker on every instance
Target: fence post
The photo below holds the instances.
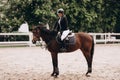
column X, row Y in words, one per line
column 94, row 37
column 30, row 39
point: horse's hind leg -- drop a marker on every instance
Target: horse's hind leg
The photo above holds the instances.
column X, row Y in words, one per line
column 89, row 61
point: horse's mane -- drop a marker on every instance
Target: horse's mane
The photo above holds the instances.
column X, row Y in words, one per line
column 46, row 31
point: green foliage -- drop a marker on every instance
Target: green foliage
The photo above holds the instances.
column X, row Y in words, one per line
column 83, row 15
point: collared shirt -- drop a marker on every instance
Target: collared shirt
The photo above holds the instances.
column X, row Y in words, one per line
column 61, row 24
column 59, row 20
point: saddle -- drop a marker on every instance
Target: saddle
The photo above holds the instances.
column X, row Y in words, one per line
column 69, row 39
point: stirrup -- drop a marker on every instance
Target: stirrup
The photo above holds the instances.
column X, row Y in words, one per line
column 63, row 49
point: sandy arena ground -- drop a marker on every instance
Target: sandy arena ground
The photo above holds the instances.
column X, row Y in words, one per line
column 34, row 63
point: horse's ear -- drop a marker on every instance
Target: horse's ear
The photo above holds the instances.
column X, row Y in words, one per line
column 33, row 27
column 47, row 26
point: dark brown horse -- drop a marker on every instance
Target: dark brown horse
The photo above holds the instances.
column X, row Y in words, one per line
column 83, row 41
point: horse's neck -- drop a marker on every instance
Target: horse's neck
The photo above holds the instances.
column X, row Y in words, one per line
column 47, row 38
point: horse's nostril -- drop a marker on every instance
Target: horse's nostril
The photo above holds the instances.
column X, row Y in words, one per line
column 34, row 42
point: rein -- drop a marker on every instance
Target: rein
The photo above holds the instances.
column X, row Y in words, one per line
column 47, row 36
column 42, row 45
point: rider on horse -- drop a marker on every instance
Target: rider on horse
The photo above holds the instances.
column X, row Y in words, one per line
column 61, row 26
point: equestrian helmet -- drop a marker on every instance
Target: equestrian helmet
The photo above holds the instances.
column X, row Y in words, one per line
column 60, row 11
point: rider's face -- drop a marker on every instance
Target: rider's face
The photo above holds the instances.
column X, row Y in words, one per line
column 60, row 14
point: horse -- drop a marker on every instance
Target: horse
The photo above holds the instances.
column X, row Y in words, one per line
column 83, row 41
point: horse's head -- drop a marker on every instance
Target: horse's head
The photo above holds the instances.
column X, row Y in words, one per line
column 37, row 33
column 44, row 33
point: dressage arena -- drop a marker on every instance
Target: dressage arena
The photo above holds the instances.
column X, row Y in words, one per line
column 34, row 63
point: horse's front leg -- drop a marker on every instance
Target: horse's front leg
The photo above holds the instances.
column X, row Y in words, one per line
column 55, row 64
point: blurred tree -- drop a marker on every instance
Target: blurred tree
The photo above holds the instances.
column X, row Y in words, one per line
column 83, row 15
column 32, row 11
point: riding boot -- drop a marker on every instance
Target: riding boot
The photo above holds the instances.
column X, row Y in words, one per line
column 63, row 47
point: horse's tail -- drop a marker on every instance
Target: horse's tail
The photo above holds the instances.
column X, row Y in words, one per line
column 92, row 49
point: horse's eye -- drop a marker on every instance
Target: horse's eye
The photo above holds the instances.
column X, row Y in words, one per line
column 34, row 31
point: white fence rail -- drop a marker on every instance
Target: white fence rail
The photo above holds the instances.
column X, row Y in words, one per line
column 98, row 38
column 106, row 37
column 29, row 42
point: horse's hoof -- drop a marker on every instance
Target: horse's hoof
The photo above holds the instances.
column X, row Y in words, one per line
column 54, row 75
column 87, row 75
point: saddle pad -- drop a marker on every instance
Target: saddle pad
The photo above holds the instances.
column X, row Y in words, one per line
column 69, row 40
column 65, row 34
